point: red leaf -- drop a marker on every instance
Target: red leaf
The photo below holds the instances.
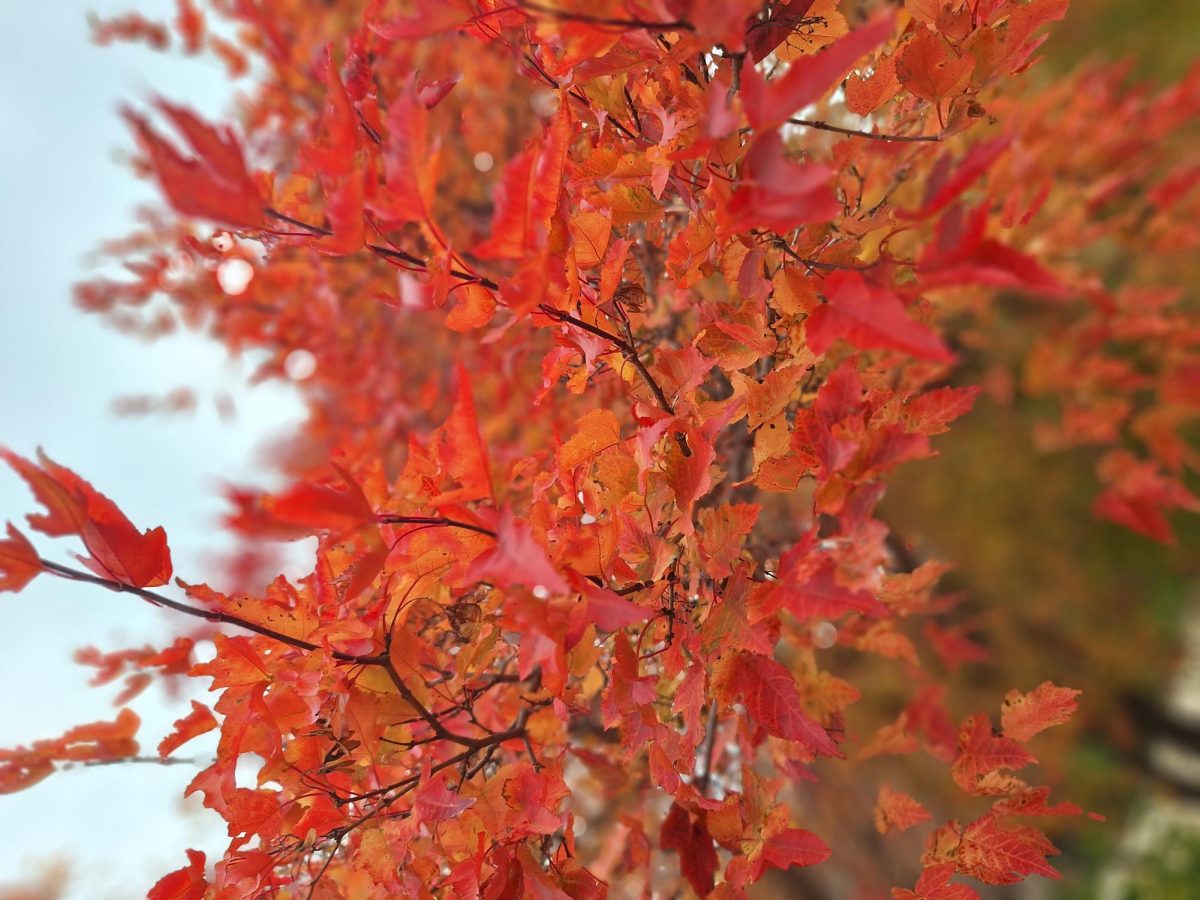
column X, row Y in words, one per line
column 934, row 884
column 187, row 883
column 869, row 317
column 794, row 847
column 932, row 412
column 980, row 752
column 997, row 854
column 897, row 811
column 607, row 609
column 769, row 693
column 973, row 166
column 435, row 802
column 461, row 450
column 1137, row 493
column 75, row 507
column 214, row 184
column 808, row 78
column 199, row 721
column 764, row 35
column 697, row 854
column 778, row 194
column 1024, row 715
column 930, row 69
column 19, row 561
column 517, row 558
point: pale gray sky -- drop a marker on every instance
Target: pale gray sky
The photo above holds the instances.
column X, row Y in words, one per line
column 62, row 192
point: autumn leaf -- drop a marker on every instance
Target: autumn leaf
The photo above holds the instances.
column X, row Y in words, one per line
column 19, row 561
column 897, row 811
column 1024, row 715
column 778, row 194
column 214, row 184
column 869, row 317
column 866, row 93
column 930, row 69
column 697, row 854
column 997, row 853
column 769, row 693
column 769, row 103
column 517, row 558
column 25, row 766
column 199, row 721
column 435, row 801
column 794, row 847
column 980, row 753
column 187, row 883
column 73, row 506
column 934, row 884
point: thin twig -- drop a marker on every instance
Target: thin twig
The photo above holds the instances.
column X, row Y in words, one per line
column 871, row 135
column 210, row 615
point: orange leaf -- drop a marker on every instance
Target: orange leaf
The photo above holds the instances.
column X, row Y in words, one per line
column 19, row 561
column 934, row 884
column 213, row 185
column 897, row 811
column 930, row 69
column 1024, row 715
column 869, row 317
column 195, row 723
column 866, row 93
column 118, row 550
column 769, row 693
column 187, row 883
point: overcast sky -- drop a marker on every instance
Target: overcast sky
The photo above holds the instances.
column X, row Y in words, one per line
column 62, row 191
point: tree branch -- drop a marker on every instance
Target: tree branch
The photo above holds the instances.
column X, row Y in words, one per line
column 870, row 135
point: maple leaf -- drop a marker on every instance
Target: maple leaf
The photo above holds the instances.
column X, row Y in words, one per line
column 26, row 766
column 764, row 35
column 769, row 693
column 517, row 558
column 73, row 506
column 1137, row 492
column 980, row 752
column 998, row 853
column 435, row 801
column 934, row 884
column 199, row 721
column 794, row 847
column 897, row 811
column 943, row 191
column 866, row 93
column 1024, row 715
column 868, row 317
column 769, row 103
column 187, row 883
column 778, row 194
column 697, row 854
column 214, row 184
column 19, row 561
column 929, row 68
column 461, row 449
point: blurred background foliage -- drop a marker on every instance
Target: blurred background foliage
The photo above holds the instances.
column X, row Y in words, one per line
column 1049, row 591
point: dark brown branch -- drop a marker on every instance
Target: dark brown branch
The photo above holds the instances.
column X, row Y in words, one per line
column 149, row 760
column 386, row 252
column 209, row 615
column 442, row 521
column 871, row 135
column 627, row 350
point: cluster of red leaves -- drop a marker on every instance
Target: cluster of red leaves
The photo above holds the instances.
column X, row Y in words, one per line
column 596, row 439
